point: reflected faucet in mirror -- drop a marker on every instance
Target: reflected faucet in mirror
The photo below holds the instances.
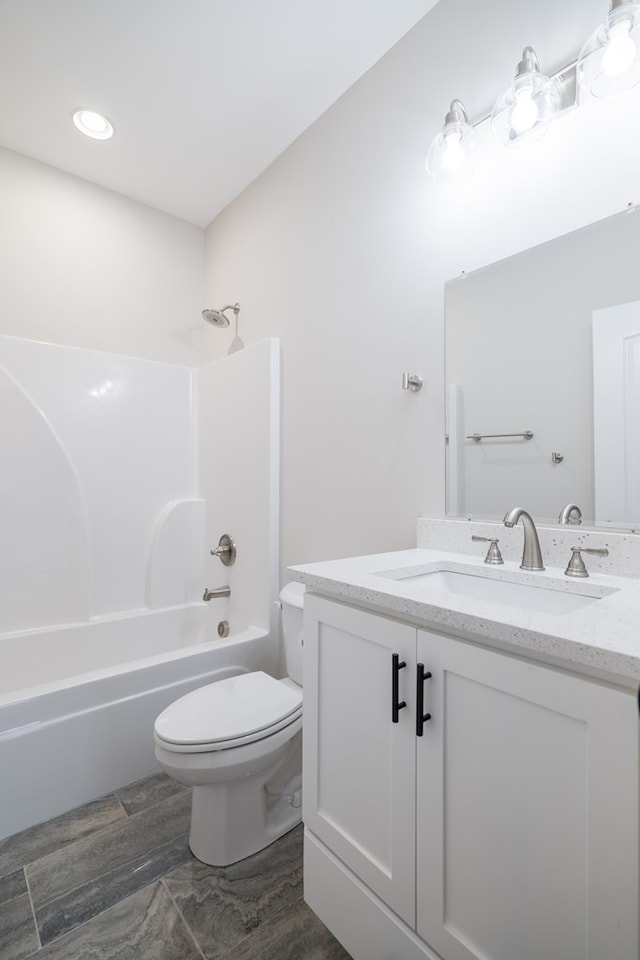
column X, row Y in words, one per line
column 570, row 514
column 531, row 553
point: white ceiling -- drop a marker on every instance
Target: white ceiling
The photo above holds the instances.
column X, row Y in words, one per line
column 203, row 94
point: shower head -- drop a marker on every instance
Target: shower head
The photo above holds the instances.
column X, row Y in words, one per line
column 218, row 318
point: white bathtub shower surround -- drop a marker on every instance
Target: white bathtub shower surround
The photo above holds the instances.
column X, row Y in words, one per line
column 78, row 703
column 238, row 417
column 176, row 554
column 120, row 474
column 94, row 446
column 44, row 563
column 37, row 661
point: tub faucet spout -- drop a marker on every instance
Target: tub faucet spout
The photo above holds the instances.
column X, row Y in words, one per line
column 531, row 553
column 216, row 592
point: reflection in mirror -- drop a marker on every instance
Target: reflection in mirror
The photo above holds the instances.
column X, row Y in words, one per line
column 547, row 343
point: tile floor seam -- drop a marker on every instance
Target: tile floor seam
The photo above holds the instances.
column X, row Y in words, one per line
column 33, row 911
column 154, row 803
column 174, row 796
column 91, row 838
column 89, row 920
column 181, row 915
column 85, row 836
column 95, row 880
column 68, row 845
column 260, row 926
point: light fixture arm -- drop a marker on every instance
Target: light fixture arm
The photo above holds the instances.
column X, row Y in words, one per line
column 457, row 113
column 529, row 63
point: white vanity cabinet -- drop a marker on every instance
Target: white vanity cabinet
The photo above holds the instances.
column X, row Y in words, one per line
column 507, row 831
column 359, row 787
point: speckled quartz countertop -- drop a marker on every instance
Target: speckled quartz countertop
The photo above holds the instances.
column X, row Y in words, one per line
column 601, row 639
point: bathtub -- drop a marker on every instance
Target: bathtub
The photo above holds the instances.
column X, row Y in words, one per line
column 77, row 702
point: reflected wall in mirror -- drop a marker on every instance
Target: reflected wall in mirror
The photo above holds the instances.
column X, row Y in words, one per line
column 548, row 341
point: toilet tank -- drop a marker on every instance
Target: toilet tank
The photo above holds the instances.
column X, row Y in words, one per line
column 291, row 602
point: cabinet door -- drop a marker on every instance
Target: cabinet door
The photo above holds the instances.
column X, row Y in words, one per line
column 359, row 766
column 527, row 810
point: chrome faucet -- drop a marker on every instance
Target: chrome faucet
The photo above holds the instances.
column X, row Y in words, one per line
column 216, row 592
column 570, row 514
column 531, row 553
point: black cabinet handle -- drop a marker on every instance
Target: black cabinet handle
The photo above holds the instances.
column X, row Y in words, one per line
column 396, row 705
column 421, row 717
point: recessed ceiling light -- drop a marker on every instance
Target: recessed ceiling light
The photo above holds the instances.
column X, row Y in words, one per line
column 92, row 124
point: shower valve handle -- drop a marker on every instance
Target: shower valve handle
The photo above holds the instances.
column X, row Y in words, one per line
column 226, row 550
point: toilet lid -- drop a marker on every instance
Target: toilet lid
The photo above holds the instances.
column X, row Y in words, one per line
column 229, row 709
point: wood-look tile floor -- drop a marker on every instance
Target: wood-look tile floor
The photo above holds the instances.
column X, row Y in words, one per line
column 116, row 878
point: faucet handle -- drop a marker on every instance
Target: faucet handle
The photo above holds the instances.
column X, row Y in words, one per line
column 576, row 567
column 493, row 553
column 226, row 550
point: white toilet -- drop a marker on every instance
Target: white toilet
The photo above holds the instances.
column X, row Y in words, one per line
column 238, row 743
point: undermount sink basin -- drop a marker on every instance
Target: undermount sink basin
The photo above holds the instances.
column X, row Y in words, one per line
column 524, row 596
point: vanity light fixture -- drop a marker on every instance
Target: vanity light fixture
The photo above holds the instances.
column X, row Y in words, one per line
column 520, row 115
column 451, row 155
column 609, row 62
column 523, row 111
column 92, row 124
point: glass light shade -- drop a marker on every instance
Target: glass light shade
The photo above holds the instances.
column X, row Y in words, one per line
column 92, row 124
column 521, row 114
column 609, row 62
column 452, row 154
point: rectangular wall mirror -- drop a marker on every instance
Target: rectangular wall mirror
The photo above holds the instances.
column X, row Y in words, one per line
column 543, row 380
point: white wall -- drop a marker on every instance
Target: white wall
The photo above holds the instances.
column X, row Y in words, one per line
column 85, row 267
column 343, row 246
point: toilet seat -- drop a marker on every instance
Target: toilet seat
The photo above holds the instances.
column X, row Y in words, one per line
column 228, row 713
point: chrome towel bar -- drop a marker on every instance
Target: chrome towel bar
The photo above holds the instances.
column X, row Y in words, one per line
column 477, row 437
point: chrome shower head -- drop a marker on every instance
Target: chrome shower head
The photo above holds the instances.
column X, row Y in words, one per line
column 218, row 318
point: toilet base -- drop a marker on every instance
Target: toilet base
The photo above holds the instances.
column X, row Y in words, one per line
column 233, row 820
